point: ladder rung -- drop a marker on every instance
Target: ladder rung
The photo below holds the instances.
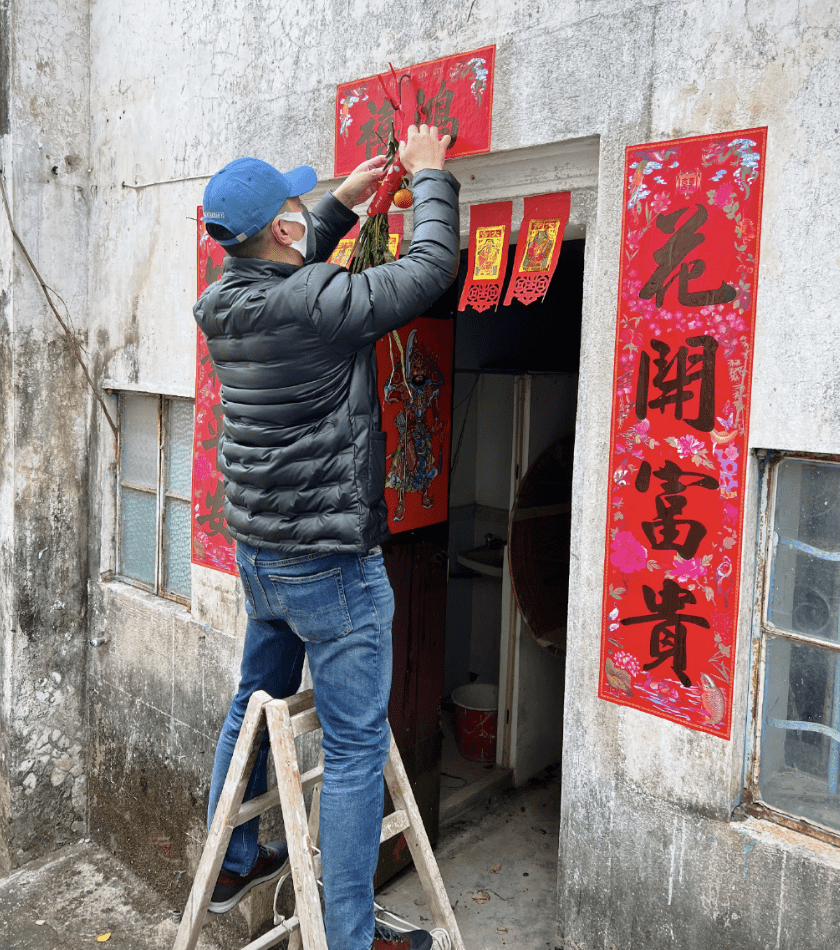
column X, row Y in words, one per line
column 273, row 936
column 312, row 777
column 306, row 721
column 393, row 824
column 256, row 806
column 300, row 702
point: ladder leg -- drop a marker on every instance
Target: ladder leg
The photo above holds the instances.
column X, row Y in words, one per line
column 298, row 837
column 421, row 849
column 218, row 838
column 296, row 941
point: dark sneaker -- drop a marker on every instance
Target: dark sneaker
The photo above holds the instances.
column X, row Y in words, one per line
column 230, row 888
column 387, row 939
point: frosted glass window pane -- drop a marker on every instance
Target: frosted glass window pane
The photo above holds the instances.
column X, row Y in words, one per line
column 177, row 546
column 805, row 568
column 139, row 440
column 179, row 433
column 138, row 516
column 800, row 739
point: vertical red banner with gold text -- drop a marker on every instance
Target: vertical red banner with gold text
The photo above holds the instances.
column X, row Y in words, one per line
column 680, row 417
column 212, row 545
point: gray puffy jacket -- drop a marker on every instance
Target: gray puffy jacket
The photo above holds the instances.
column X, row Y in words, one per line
column 301, row 450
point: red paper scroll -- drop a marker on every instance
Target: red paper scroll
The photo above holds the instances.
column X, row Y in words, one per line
column 684, row 344
column 538, row 247
column 212, row 545
column 488, row 254
column 414, row 369
column 454, row 93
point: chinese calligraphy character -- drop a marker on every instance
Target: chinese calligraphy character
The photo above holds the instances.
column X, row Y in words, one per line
column 672, row 255
column 214, row 517
column 435, row 111
column 687, row 369
column 374, row 133
column 669, row 635
column 668, row 532
column 213, row 441
column 209, row 368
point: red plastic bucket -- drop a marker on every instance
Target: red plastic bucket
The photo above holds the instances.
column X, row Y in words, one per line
column 476, row 721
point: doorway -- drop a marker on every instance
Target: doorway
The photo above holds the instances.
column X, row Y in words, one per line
column 514, row 396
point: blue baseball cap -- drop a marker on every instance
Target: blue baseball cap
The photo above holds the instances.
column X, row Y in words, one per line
column 247, row 193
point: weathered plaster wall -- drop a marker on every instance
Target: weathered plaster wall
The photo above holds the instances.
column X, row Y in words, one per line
column 648, row 856
column 44, row 407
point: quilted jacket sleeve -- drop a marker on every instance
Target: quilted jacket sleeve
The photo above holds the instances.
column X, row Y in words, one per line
column 331, row 221
column 351, row 311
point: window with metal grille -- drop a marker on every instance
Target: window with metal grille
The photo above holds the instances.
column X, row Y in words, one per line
column 156, row 435
column 795, row 759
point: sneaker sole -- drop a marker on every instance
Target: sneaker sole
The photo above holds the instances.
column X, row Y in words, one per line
column 222, row 907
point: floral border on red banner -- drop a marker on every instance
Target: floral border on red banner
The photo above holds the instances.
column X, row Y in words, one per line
column 683, row 369
column 454, row 93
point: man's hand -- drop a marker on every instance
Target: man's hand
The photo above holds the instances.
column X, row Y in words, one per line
column 361, row 183
column 423, row 148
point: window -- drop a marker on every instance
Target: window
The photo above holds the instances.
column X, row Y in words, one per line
column 797, row 770
column 156, row 434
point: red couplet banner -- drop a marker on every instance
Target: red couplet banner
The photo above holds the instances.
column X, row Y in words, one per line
column 454, row 93
column 681, row 393
column 212, row 545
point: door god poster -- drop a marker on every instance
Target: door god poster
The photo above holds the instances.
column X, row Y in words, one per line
column 680, row 416
column 414, row 367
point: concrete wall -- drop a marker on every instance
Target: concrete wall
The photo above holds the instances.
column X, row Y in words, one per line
column 44, row 415
column 648, row 855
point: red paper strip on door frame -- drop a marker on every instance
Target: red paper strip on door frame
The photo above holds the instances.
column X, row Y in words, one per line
column 488, row 255
column 538, row 247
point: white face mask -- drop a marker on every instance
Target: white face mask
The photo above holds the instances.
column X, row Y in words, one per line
column 300, row 245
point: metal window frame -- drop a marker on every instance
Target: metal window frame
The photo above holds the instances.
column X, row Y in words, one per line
column 162, row 493
column 762, row 628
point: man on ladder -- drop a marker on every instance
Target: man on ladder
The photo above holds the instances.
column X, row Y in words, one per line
column 292, row 340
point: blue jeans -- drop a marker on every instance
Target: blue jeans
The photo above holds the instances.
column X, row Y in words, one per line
column 337, row 608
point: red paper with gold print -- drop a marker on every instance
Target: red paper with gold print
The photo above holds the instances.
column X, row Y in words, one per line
column 414, row 371
column 538, row 247
column 487, row 257
column 212, row 545
column 683, row 365
column 343, row 253
column 454, row 93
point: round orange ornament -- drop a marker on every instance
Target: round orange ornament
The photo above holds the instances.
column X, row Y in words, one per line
column 403, row 199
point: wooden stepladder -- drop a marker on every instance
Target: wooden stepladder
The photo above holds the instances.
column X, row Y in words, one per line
column 286, row 719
